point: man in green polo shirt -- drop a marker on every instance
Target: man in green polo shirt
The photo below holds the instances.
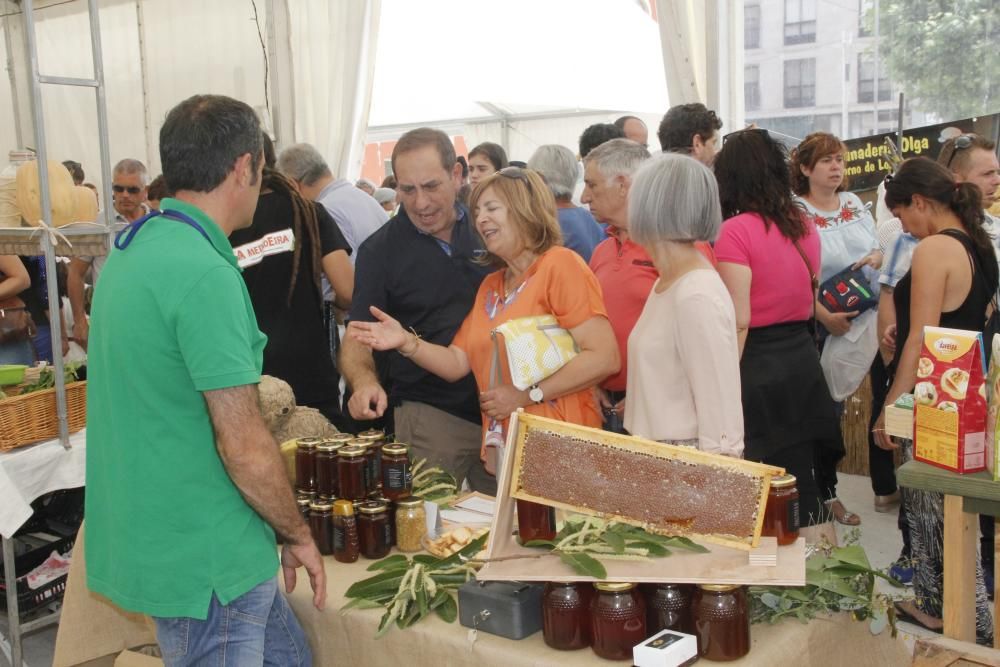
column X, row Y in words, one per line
column 185, row 487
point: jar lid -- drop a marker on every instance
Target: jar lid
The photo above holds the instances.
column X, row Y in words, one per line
column 410, row 502
column 372, row 434
column 304, row 501
column 373, row 507
column 320, row 506
column 308, row 443
column 328, row 446
column 349, row 451
column 343, row 508
column 395, row 448
column 339, row 437
column 782, row 481
column 614, row 586
column 304, row 492
column 718, row 588
column 358, row 442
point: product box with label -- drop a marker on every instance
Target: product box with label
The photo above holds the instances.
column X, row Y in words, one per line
column 668, row 648
column 993, row 411
column 950, row 401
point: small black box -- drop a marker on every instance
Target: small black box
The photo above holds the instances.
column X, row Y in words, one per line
column 510, row 609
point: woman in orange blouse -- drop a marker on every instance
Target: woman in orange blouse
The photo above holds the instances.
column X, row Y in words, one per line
column 515, row 214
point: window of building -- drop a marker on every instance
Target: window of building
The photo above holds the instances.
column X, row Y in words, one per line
column 862, row 123
column 866, row 80
column 800, row 21
column 866, row 13
column 795, row 128
column 800, row 83
column 751, row 87
column 751, row 27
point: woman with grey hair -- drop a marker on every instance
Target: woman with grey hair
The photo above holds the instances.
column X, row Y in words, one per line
column 683, row 357
column 559, row 168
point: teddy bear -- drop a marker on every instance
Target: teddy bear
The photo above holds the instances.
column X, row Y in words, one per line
column 286, row 420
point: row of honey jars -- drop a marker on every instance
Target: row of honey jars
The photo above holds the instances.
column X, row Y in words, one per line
column 352, row 468
column 612, row 618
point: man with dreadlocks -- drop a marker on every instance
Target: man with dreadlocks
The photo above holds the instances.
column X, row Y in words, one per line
column 291, row 242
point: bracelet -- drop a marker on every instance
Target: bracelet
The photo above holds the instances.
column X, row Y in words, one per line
column 416, row 344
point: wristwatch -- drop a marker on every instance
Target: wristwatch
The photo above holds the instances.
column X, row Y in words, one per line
column 536, row 395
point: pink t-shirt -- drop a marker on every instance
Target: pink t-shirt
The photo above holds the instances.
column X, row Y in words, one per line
column 780, row 289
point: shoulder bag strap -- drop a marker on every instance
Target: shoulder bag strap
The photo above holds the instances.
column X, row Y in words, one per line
column 813, row 278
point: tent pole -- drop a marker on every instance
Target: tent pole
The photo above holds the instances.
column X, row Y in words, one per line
column 13, row 82
column 272, row 49
column 147, row 117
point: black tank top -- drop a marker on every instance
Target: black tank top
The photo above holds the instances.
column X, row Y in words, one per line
column 971, row 315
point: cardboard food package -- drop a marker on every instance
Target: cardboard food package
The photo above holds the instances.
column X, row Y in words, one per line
column 950, row 401
column 993, row 412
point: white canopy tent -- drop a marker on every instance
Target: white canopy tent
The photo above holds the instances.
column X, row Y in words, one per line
column 523, row 73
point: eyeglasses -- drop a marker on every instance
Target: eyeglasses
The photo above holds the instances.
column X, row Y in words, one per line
column 131, row 189
column 961, row 142
column 517, row 174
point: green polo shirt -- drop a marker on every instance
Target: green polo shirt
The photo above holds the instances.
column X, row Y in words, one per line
column 166, row 526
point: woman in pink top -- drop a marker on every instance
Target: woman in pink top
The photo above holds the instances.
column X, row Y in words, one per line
column 768, row 257
column 683, row 384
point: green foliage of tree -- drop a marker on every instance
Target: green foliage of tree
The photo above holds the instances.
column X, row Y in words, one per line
column 943, row 54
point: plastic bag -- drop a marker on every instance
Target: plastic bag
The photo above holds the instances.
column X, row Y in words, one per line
column 846, row 359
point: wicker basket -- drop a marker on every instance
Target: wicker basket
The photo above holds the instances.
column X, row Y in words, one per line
column 32, row 418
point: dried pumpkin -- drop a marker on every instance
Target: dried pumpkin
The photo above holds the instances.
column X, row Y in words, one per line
column 85, row 204
column 60, row 193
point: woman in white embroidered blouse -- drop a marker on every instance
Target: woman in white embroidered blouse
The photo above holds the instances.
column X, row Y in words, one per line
column 684, row 378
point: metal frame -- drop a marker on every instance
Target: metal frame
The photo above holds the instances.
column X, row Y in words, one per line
column 15, row 628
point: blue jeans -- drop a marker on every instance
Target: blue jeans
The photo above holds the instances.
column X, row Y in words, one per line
column 256, row 629
column 19, row 353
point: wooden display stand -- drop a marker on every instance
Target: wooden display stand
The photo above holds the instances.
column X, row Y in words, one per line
column 721, row 565
column 965, row 496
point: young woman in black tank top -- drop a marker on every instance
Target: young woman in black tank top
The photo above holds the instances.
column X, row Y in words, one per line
column 950, row 283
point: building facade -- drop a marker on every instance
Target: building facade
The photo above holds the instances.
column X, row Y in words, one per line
column 810, row 66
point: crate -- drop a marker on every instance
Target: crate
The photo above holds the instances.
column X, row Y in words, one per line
column 31, row 600
column 31, row 418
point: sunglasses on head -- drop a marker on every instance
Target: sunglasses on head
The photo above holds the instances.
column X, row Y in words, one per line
column 131, row 189
column 517, row 174
column 962, row 142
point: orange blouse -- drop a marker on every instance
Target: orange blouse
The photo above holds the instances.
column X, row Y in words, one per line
column 558, row 283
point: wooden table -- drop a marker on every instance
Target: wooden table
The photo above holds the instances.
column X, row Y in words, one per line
column 965, row 497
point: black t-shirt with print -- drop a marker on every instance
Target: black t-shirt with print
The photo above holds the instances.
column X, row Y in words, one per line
column 297, row 349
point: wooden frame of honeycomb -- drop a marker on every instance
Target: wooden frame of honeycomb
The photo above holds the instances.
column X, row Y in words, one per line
column 711, row 498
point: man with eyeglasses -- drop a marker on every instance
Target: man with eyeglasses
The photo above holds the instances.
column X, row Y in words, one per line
column 129, row 181
column 691, row 129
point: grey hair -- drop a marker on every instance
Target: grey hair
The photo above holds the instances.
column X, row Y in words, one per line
column 559, row 168
column 303, row 163
column 617, row 157
column 130, row 166
column 673, row 198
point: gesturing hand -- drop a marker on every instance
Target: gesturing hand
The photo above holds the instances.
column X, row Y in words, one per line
column 385, row 334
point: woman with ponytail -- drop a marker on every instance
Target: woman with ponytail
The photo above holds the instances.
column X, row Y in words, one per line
column 950, row 283
column 291, row 243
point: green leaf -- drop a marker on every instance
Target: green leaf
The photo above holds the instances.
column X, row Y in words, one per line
column 439, row 599
column 361, row 603
column 654, row 548
column 392, row 562
column 540, row 543
column 426, row 559
column 584, row 564
column 411, row 616
column 467, row 552
column 422, row 601
column 384, row 625
column 387, row 582
column 685, row 543
column 615, row 541
column 797, row 594
column 447, row 609
column 852, row 555
column 771, row 600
